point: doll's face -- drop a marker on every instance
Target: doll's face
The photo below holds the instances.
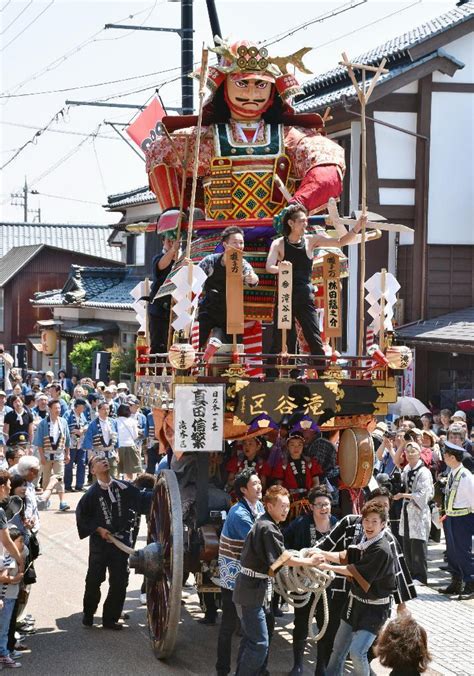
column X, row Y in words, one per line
column 247, row 99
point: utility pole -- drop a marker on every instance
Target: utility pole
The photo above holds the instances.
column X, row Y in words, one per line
column 187, row 59
column 186, row 35
column 20, row 199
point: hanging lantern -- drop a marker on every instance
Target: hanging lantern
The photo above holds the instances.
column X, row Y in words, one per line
column 181, row 356
column 398, row 356
column 49, row 341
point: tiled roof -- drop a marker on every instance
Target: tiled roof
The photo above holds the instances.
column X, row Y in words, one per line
column 131, row 198
column 455, row 327
column 332, row 95
column 17, row 258
column 396, row 51
column 86, row 239
column 93, row 287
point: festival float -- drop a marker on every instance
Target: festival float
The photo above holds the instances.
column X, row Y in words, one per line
column 240, row 161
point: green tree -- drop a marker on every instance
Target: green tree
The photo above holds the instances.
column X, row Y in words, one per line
column 81, row 355
column 122, row 361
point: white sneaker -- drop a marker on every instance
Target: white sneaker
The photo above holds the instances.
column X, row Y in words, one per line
column 143, row 599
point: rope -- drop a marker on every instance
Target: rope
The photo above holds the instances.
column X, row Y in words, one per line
column 296, row 584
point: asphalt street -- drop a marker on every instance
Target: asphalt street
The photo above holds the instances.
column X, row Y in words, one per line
column 63, row 647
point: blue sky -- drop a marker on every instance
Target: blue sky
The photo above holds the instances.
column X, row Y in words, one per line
column 65, row 46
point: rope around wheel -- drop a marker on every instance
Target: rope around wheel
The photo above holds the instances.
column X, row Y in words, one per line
column 296, row 584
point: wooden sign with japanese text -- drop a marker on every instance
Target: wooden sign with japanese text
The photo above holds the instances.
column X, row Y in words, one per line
column 234, row 291
column 332, row 296
column 199, row 417
column 285, row 289
column 283, row 398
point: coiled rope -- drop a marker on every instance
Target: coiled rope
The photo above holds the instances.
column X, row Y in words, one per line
column 296, row 584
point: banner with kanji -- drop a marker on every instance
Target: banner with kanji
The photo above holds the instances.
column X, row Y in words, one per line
column 332, row 296
column 199, row 417
column 285, row 290
column 234, row 291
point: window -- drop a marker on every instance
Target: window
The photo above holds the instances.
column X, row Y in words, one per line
column 128, row 340
column 136, row 249
column 140, row 249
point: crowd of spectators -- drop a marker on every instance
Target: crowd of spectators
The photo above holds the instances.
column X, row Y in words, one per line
column 50, row 427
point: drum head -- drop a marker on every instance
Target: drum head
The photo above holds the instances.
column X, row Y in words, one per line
column 356, row 457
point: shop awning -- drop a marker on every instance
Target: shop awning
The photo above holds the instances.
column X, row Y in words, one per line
column 452, row 332
column 86, row 330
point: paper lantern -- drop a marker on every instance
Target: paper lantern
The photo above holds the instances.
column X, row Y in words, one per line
column 181, row 356
column 49, row 341
column 399, row 356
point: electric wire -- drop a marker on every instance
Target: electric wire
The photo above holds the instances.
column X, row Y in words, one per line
column 89, row 86
column 67, row 55
column 27, row 26
column 16, row 18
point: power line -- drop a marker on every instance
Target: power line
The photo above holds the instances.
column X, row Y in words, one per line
column 322, row 17
column 55, row 118
column 27, row 26
column 64, row 57
column 63, row 197
column 17, row 17
column 54, row 131
column 89, row 86
column 367, row 25
column 65, row 157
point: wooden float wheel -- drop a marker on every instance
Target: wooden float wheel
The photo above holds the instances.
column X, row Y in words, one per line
column 164, row 593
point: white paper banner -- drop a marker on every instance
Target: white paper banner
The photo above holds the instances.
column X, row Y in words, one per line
column 199, row 417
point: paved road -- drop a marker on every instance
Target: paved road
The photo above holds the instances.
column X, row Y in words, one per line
column 63, row 647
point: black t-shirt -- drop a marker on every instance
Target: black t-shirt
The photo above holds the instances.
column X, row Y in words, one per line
column 15, row 426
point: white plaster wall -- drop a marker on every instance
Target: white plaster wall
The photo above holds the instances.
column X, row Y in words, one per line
column 451, row 202
column 463, row 50
column 397, row 196
column 396, row 151
column 143, row 212
column 411, row 88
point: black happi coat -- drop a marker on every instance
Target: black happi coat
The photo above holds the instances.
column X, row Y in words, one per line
column 262, row 547
column 96, row 510
column 348, row 531
column 373, row 578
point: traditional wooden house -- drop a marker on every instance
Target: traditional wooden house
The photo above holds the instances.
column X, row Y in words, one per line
column 420, row 173
column 35, row 257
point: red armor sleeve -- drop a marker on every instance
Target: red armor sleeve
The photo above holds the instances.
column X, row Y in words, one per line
column 319, row 184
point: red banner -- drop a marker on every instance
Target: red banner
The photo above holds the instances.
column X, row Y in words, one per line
column 145, row 127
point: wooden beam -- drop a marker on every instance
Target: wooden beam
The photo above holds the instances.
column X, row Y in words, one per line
column 453, row 87
column 396, row 182
column 418, row 72
column 422, row 172
column 399, row 212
